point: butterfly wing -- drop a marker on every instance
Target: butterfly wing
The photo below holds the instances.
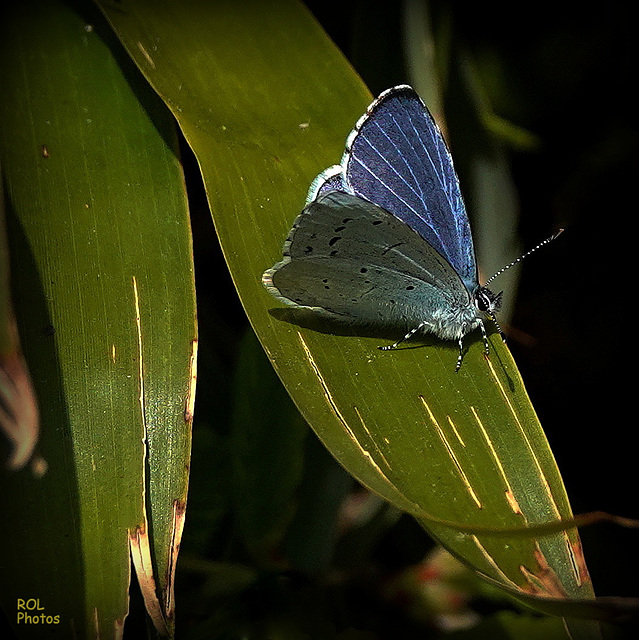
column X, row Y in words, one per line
column 396, row 157
column 349, row 258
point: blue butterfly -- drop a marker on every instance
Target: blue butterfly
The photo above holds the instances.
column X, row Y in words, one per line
column 384, row 238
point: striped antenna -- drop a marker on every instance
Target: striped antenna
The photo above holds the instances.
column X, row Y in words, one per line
column 514, row 262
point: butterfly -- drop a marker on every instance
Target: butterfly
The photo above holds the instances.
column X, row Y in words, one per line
column 384, row 238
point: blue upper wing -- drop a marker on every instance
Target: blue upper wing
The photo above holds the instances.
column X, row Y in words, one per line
column 397, row 159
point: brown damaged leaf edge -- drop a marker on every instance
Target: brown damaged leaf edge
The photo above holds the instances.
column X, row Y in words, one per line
column 179, row 513
column 140, row 546
column 542, row 580
column 190, row 397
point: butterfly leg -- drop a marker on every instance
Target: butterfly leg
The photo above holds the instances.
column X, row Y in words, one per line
column 410, row 334
column 501, row 333
column 460, row 356
column 461, row 346
column 485, row 336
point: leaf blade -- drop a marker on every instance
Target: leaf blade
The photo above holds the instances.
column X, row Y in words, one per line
column 100, row 245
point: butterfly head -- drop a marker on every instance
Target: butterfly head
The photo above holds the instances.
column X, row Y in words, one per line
column 487, row 301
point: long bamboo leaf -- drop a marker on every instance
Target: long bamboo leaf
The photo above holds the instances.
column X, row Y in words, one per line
column 102, row 279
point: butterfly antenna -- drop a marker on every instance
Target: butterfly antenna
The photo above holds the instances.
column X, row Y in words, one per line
column 518, row 260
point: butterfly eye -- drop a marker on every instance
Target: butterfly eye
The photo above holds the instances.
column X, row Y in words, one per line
column 482, row 302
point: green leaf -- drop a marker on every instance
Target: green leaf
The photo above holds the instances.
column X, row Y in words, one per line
column 102, row 280
column 266, row 101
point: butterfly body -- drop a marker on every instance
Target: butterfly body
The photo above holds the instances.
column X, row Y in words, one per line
column 384, row 238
